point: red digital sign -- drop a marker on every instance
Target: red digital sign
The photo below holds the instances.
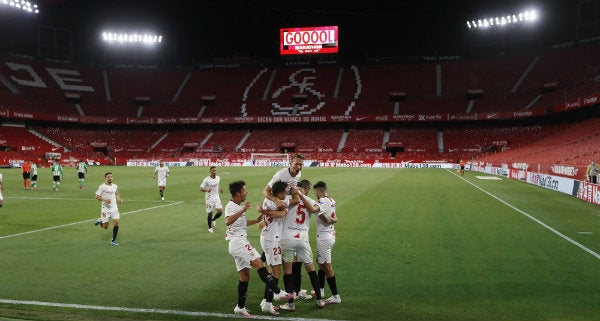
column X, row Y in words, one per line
column 308, row 40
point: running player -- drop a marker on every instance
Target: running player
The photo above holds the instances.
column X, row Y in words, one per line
column 211, row 186
column 161, row 172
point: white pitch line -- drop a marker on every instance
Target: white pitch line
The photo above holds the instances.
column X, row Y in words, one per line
column 78, row 199
column 160, row 311
column 548, row 227
column 86, row 221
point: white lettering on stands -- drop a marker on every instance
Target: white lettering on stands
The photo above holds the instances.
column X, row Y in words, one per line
column 61, row 81
column 35, row 81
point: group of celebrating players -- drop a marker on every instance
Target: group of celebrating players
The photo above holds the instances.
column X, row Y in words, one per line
column 284, row 219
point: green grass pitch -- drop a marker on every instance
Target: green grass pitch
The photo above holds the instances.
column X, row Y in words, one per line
column 412, row 244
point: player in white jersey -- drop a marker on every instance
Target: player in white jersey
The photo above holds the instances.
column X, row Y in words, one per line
column 289, row 175
column 108, row 195
column 161, row 172
column 211, row 186
column 244, row 254
column 327, row 217
column 270, row 236
column 295, row 244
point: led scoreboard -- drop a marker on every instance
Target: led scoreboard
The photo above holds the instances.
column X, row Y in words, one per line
column 308, row 40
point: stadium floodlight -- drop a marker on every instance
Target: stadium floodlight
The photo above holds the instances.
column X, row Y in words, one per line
column 22, row 5
column 521, row 17
column 131, row 38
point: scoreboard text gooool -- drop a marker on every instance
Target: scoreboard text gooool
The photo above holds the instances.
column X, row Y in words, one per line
column 308, row 40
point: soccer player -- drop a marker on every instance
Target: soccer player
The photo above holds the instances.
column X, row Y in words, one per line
column 57, row 174
column 296, row 247
column 34, row 175
column 327, row 217
column 108, row 195
column 162, row 172
column 211, row 186
column 462, row 167
column 26, row 167
column 81, row 171
column 270, row 237
column 245, row 256
column 291, row 176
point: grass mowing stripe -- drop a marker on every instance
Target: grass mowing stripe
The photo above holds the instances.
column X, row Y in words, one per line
column 160, row 311
column 85, row 221
column 546, row 226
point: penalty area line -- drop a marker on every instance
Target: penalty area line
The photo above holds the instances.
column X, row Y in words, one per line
column 158, row 311
column 85, row 221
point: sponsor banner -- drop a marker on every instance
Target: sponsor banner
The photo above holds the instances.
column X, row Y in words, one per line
column 557, row 183
column 588, row 192
column 564, row 170
column 522, row 166
column 404, row 117
column 500, row 171
column 590, row 100
column 428, row 165
column 170, row 120
column 267, row 119
column 461, row 117
column 583, row 190
column 491, row 116
column 335, row 119
column 15, row 162
column 144, row 121
column 138, row 162
column 513, row 173
column 19, row 114
column 73, row 119
column 430, row 117
column 572, row 104
column 188, row 120
column 371, row 163
column 521, row 114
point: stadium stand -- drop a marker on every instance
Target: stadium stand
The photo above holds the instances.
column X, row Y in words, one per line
column 148, row 103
